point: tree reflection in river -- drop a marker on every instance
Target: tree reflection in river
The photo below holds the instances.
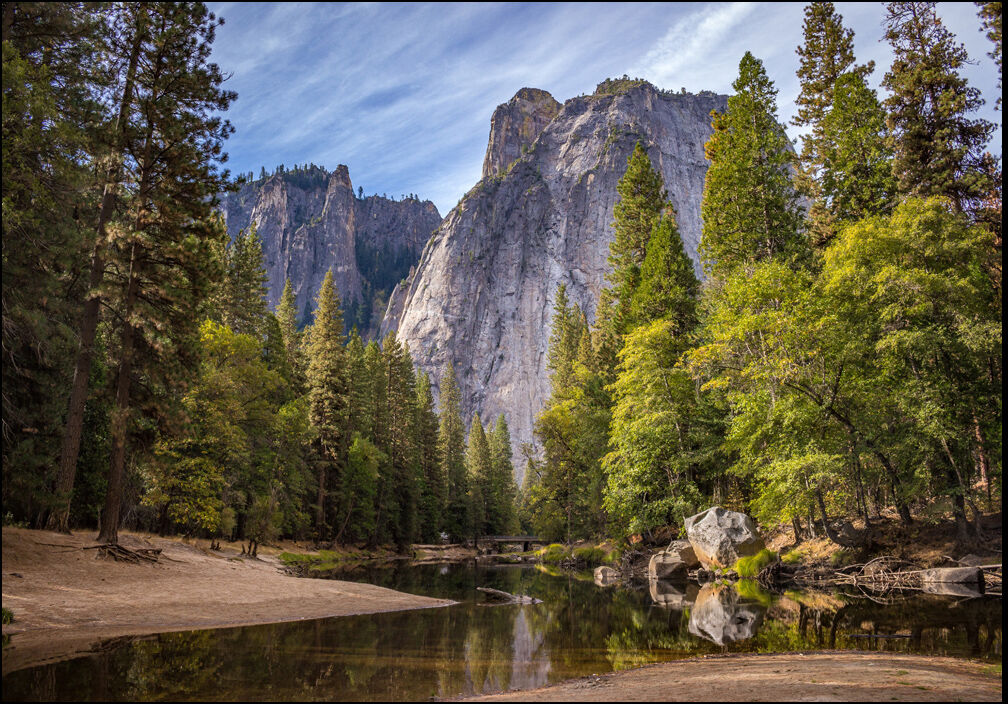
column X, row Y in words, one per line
column 470, row 648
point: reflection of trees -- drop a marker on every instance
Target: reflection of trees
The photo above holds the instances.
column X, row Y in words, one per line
column 470, row 648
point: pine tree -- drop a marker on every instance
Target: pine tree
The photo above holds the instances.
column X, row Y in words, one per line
column 451, row 449
column 503, row 490
column 161, row 254
column 327, row 394
column 432, row 487
column 668, row 287
column 402, row 449
column 939, row 149
column 856, row 179
column 479, row 466
column 51, row 55
column 642, row 201
column 286, row 315
column 243, row 304
column 828, row 53
column 990, row 15
column 750, row 207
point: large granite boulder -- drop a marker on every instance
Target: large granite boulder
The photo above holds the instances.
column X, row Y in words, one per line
column 667, row 565
column 720, row 615
column 672, row 596
column 720, row 537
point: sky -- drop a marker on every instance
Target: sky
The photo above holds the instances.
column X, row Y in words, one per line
column 403, row 93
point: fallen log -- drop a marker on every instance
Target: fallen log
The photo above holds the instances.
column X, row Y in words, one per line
column 503, row 597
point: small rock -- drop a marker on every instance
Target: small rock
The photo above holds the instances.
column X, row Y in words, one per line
column 606, row 576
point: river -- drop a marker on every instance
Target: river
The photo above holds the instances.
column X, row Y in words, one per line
column 579, row 629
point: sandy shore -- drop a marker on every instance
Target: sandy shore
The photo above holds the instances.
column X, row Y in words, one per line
column 833, row 676
column 66, row 600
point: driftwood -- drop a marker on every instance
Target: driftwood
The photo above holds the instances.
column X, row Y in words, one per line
column 123, row 554
column 505, row 598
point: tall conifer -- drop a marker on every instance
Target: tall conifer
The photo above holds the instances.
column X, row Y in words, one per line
column 451, row 449
column 939, row 148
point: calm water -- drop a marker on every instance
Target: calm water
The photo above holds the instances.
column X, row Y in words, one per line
column 579, row 629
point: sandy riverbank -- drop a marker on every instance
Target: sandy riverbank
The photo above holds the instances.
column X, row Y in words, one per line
column 833, row 676
column 66, row 600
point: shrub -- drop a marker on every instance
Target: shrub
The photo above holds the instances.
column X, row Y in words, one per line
column 8, row 616
column 590, row 555
column 793, row 557
column 751, row 566
column 553, row 554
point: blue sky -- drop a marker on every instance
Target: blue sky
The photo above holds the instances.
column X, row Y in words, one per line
column 403, row 94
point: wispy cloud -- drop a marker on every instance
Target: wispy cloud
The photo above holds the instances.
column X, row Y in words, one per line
column 403, row 93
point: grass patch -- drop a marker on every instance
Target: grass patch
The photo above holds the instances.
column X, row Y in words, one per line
column 591, row 556
column 613, row 556
column 992, row 670
column 8, row 616
column 792, row 557
column 751, row 566
column 553, row 554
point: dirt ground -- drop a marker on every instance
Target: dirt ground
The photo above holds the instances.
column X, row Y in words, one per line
column 66, row 600
column 835, row 676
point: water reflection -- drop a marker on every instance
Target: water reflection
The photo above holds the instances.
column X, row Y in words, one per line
column 472, row 648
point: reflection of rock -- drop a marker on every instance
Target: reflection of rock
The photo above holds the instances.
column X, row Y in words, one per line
column 953, row 581
column 720, row 615
column 673, row 596
column 721, row 537
column 606, row 576
column 951, row 589
column 667, row 565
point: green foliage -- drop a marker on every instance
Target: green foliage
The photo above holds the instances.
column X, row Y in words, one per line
column 842, row 557
column 8, row 616
column 553, row 554
column 451, row 450
column 619, row 86
column 749, row 589
column 793, row 557
column 748, row 567
column 938, row 147
column 750, row 207
column 590, row 555
column 642, row 201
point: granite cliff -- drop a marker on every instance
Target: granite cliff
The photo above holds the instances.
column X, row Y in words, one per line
column 481, row 296
column 310, row 220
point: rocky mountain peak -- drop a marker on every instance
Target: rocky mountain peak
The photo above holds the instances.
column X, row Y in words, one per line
column 482, row 294
column 515, row 125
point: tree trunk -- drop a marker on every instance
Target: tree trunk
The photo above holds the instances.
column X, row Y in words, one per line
column 70, row 447
column 109, row 532
column 982, row 460
column 830, row 533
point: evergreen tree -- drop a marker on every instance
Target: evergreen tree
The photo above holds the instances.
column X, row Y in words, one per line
column 750, row 207
column 402, row 483
column 856, row 179
column 990, row 14
column 243, row 305
column 451, row 450
column 432, row 483
column 161, row 253
column 828, row 53
column 668, row 287
column 286, row 315
column 479, row 466
column 51, row 74
column 501, row 517
column 642, row 201
column 327, row 394
column 939, row 149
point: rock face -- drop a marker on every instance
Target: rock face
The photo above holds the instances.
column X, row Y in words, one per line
column 721, row 616
column 719, row 537
column 310, row 220
column 481, row 297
